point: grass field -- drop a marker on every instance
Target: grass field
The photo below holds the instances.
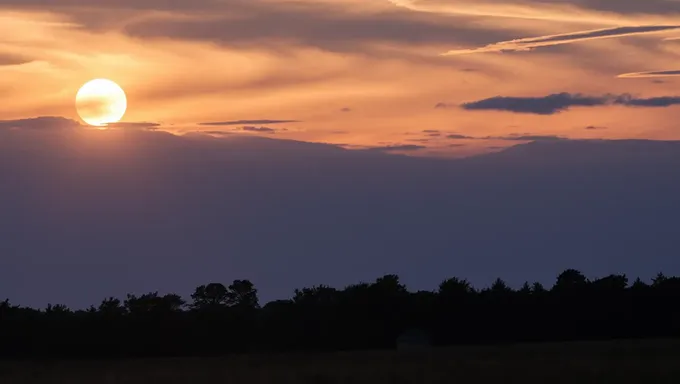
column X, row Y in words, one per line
column 655, row 361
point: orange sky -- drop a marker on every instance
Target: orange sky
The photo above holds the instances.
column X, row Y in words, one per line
column 359, row 73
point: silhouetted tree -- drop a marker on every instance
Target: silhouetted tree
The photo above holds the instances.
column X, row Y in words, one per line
column 454, row 288
column 57, row 310
column 526, row 289
column 111, row 307
column 242, row 294
column 569, row 280
column 659, row 279
column 537, row 288
column 152, row 303
column 611, row 283
column 210, row 296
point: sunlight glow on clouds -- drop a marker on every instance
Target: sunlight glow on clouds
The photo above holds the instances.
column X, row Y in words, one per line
column 567, row 38
column 651, row 74
column 248, row 62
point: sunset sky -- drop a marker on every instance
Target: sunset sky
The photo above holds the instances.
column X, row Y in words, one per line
column 438, row 77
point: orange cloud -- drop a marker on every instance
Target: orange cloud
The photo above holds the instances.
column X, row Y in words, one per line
column 566, row 38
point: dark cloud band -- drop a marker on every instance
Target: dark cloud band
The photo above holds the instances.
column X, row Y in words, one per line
column 558, row 102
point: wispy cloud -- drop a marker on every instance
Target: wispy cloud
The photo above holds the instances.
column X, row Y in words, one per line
column 134, row 125
column 405, row 147
column 250, row 128
column 530, row 43
column 600, row 12
column 457, row 136
column 7, row 60
column 40, row 123
column 558, row 102
column 528, row 138
column 215, row 133
column 249, row 122
column 675, row 72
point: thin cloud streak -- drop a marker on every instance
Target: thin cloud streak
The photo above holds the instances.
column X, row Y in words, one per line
column 530, row 43
column 249, row 122
column 510, row 11
column 651, row 74
column 405, row 147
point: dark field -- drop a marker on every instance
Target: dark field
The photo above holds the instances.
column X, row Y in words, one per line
column 618, row 362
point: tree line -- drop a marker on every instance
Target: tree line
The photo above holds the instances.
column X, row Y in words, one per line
column 220, row 319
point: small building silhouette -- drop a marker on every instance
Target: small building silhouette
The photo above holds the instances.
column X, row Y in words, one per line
column 413, row 339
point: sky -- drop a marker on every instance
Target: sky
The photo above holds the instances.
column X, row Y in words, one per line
column 356, row 73
column 300, row 142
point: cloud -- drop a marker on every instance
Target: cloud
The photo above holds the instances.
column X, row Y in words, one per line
column 8, row 60
column 558, row 102
column 216, row 133
column 404, row 147
column 530, row 43
column 664, row 101
column 651, row 74
column 578, row 11
column 40, row 123
column 528, row 138
column 594, row 127
column 249, row 122
column 250, row 128
column 329, row 25
column 346, row 109
column 432, row 132
column 134, row 125
column 457, row 136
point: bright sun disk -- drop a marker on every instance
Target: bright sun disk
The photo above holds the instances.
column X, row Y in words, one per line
column 100, row 102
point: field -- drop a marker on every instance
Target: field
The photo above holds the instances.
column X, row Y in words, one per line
column 619, row 362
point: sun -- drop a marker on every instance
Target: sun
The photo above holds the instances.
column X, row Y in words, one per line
column 100, row 102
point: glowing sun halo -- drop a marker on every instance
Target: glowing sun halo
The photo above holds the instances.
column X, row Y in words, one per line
column 100, row 102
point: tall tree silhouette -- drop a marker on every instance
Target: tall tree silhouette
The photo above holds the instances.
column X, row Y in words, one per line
column 242, row 294
column 570, row 280
column 211, row 296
